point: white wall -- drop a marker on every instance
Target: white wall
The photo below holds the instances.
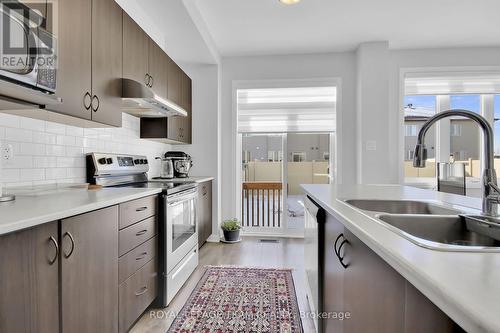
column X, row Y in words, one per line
column 311, row 66
column 204, row 148
column 372, row 104
column 47, row 152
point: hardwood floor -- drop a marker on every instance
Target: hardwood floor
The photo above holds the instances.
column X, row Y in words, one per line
column 288, row 253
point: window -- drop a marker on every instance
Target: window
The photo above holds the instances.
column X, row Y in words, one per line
column 466, row 102
column 417, row 109
column 298, row 156
column 411, row 130
column 456, row 130
column 464, row 133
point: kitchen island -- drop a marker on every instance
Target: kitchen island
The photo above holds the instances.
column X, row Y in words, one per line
column 464, row 285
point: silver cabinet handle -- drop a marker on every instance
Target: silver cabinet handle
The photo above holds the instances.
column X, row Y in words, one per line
column 146, row 79
column 56, row 246
column 140, row 209
column 141, row 256
column 151, row 81
column 142, row 291
column 142, row 232
column 67, row 233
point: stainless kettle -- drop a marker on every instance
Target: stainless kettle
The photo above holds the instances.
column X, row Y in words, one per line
column 166, row 167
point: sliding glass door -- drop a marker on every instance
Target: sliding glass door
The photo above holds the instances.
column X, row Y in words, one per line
column 273, row 166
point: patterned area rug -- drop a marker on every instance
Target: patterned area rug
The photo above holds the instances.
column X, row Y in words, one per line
column 243, row 300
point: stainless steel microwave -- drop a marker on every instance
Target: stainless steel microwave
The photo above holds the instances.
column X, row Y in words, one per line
column 28, row 49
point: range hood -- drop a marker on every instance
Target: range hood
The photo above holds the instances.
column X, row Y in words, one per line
column 141, row 101
column 16, row 96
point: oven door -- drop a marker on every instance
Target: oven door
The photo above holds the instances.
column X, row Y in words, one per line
column 181, row 226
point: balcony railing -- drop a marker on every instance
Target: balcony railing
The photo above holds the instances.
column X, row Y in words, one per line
column 262, row 204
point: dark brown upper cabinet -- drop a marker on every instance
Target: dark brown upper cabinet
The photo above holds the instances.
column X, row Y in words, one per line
column 135, row 51
column 143, row 60
column 158, row 61
column 174, row 83
column 90, row 60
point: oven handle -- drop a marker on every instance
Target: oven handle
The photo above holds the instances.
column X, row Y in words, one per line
column 172, row 200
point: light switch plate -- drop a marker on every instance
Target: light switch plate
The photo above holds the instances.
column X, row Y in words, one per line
column 371, row 145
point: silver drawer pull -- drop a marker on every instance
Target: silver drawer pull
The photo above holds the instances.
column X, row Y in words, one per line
column 140, row 209
column 142, row 291
column 142, row 256
column 142, row 232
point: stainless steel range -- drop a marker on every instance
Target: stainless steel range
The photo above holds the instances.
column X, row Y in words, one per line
column 178, row 230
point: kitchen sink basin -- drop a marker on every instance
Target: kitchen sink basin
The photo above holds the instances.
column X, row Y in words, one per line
column 449, row 233
column 401, row 207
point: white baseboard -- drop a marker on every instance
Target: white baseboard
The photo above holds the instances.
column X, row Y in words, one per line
column 213, row 238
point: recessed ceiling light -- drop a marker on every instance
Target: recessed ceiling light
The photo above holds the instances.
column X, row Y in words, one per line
column 289, row 2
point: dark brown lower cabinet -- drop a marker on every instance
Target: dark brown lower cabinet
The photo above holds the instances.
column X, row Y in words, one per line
column 29, row 282
column 204, row 212
column 333, row 302
column 377, row 297
column 89, row 272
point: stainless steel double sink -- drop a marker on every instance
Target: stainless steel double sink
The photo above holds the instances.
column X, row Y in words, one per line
column 434, row 226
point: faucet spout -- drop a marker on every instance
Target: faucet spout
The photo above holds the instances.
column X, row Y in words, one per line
column 489, row 179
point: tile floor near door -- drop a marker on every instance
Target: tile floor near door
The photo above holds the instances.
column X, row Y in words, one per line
column 288, row 253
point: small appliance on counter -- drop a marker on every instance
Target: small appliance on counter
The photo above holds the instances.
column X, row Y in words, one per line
column 182, row 163
column 166, row 168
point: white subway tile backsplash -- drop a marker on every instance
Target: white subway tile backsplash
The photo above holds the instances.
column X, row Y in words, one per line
column 74, row 151
column 19, row 135
column 47, row 138
column 74, row 131
column 47, row 153
column 53, row 150
column 44, row 162
column 75, row 172
column 55, row 173
column 32, row 174
column 32, row 124
column 55, row 128
column 65, row 140
column 8, row 120
column 11, row 175
column 19, row 162
column 34, row 149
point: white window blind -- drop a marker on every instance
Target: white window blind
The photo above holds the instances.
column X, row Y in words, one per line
column 302, row 109
column 452, row 83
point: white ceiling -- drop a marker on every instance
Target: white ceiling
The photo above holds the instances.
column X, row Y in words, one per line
column 254, row 27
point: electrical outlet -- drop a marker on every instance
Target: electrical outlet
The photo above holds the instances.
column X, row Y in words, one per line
column 7, row 152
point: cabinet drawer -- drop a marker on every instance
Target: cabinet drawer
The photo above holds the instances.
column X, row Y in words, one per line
column 136, row 234
column 137, row 210
column 180, row 273
column 136, row 294
column 129, row 263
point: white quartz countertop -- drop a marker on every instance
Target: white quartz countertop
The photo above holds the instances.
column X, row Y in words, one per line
column 30, row 210
column 465, row 285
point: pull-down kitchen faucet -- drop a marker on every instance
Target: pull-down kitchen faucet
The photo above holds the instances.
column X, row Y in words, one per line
column 491, row 192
